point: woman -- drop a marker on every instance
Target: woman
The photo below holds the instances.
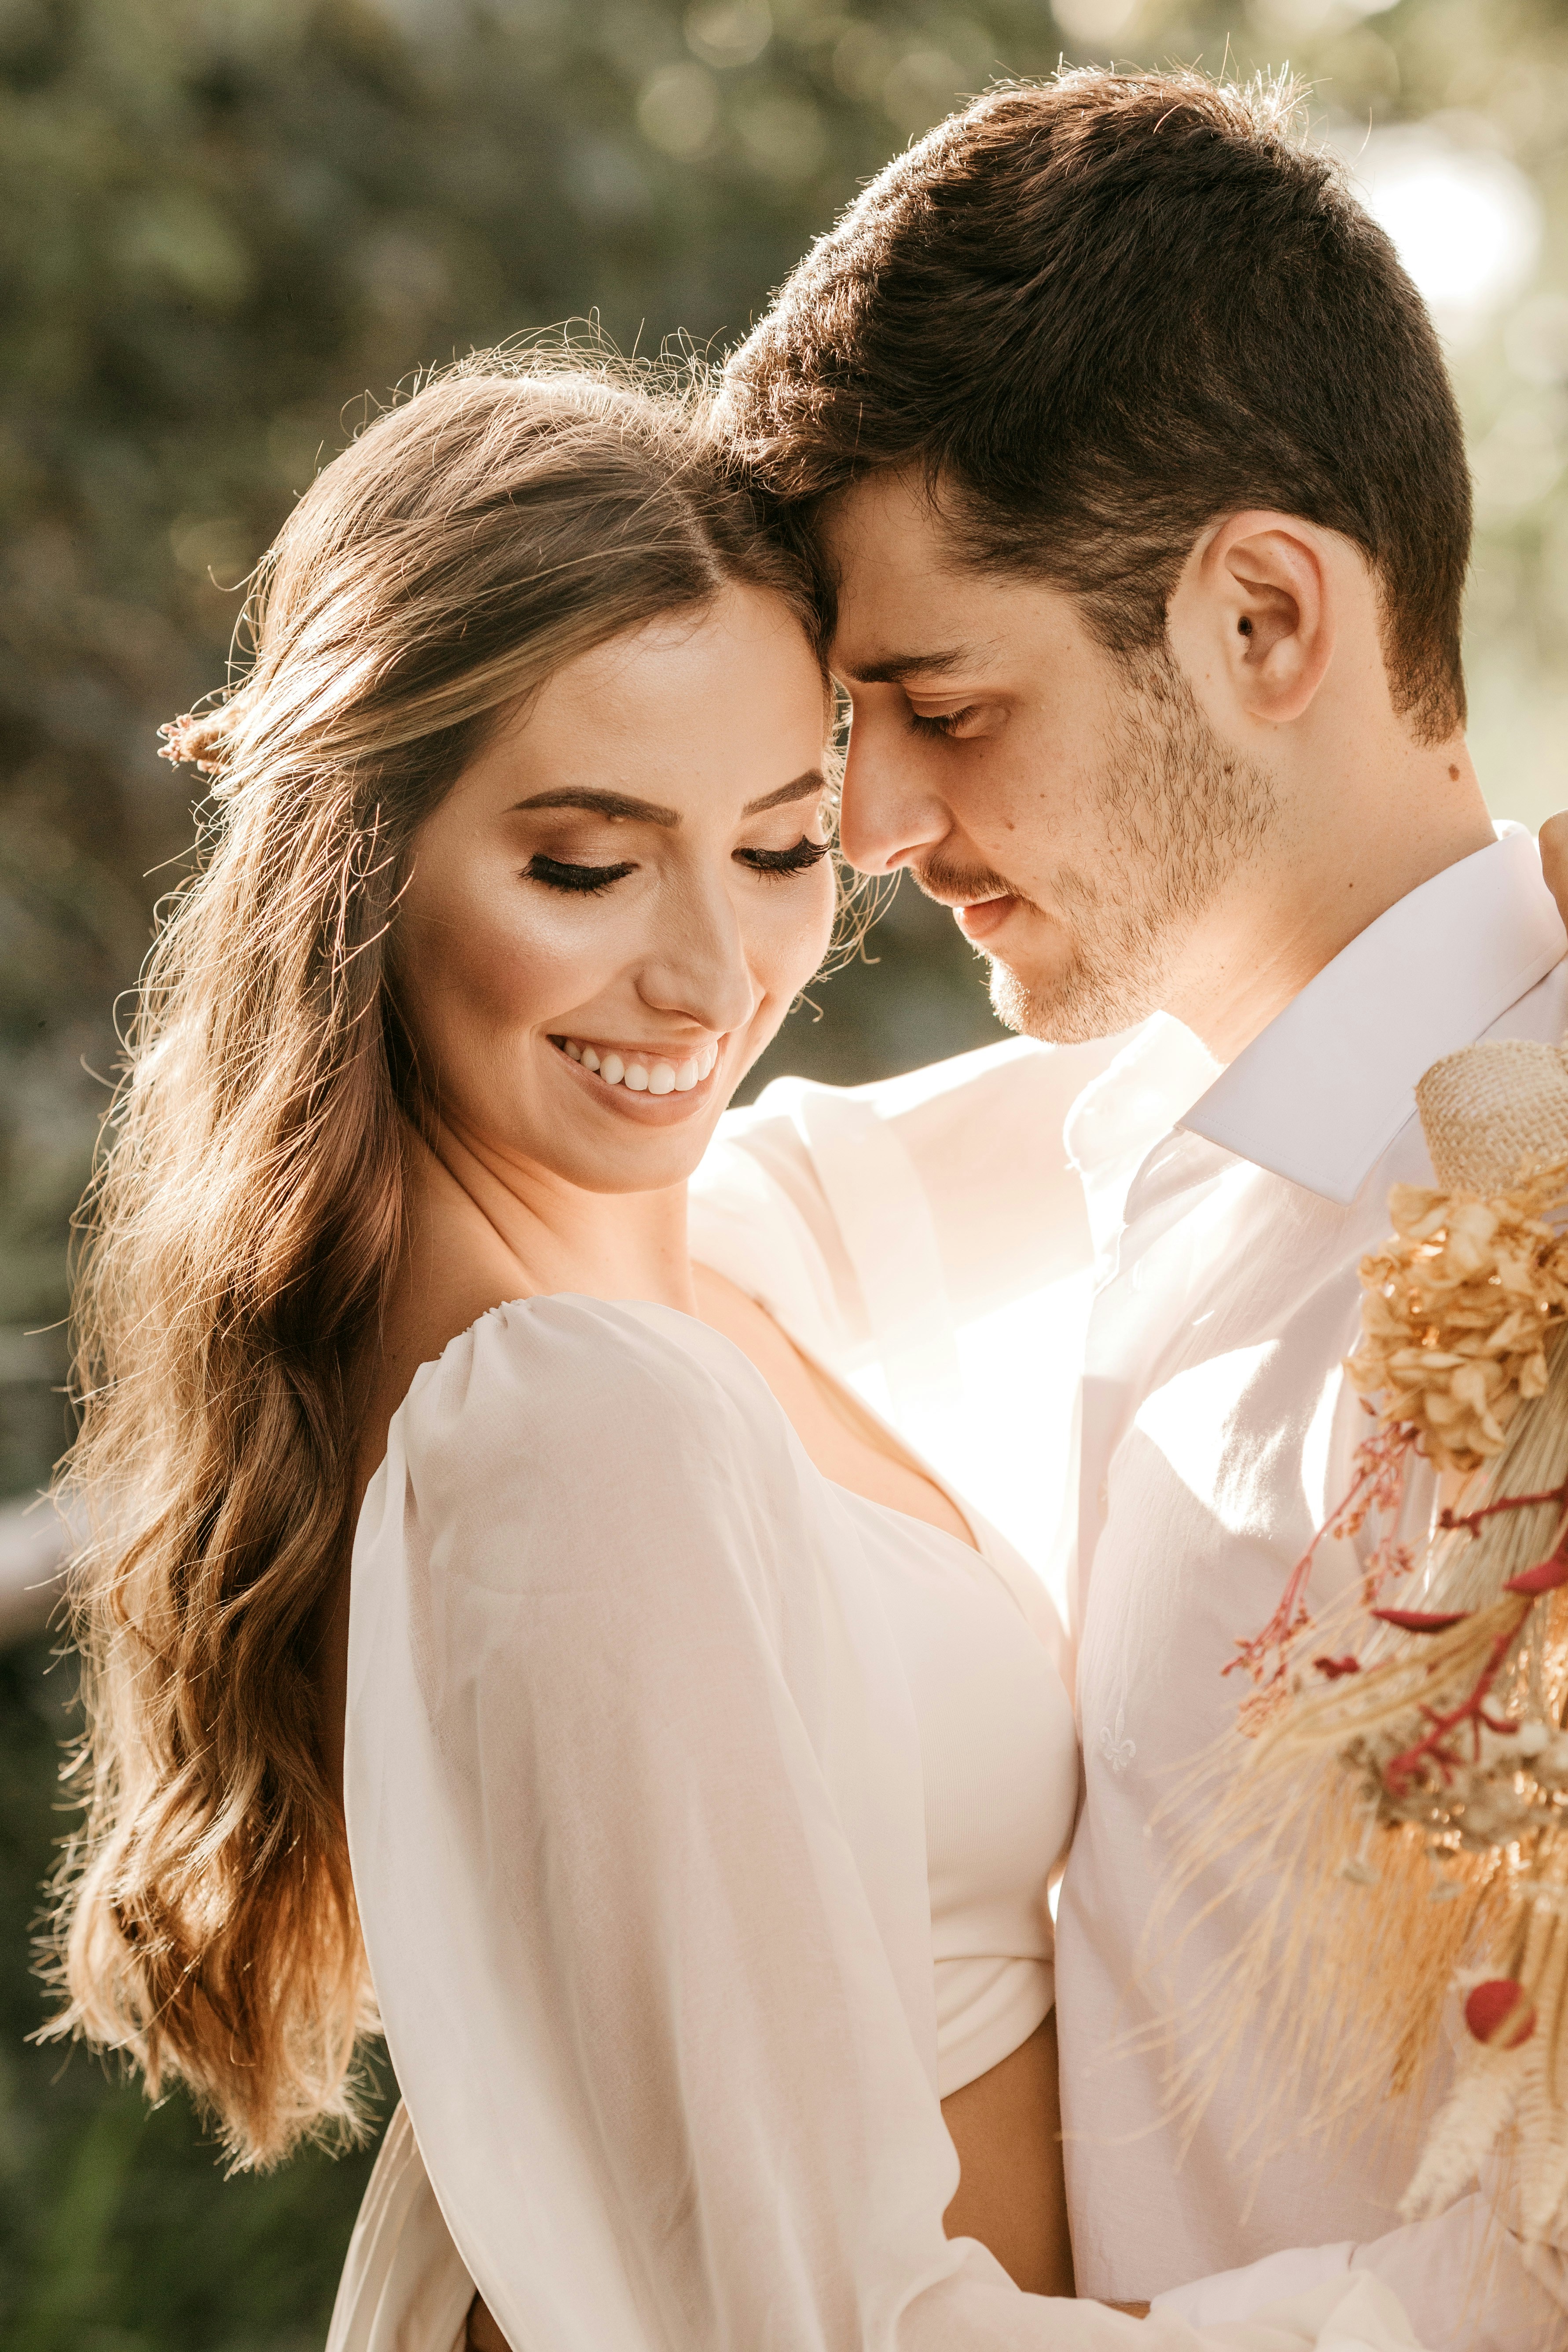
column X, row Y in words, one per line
column 703, row 1771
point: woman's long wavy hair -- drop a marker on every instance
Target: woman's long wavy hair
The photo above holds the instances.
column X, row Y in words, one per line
column 247, row 1212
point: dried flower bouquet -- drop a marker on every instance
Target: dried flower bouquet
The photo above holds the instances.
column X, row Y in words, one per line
column 1399, row 1777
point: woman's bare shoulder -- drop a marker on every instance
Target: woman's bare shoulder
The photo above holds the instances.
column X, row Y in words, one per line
column 452, row 1269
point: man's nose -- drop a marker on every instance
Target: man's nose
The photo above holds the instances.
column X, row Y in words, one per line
column 889, row 816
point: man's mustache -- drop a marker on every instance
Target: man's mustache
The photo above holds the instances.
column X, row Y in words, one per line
column 958, row 886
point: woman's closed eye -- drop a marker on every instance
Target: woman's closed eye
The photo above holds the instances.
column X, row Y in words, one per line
column 584, row 880
column 804, row 854
column 588, row 881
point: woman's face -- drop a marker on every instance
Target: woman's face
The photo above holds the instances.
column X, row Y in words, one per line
column 612, row 908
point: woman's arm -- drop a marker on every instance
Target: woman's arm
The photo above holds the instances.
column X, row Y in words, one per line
column 605, row 1680
column 636, row 1820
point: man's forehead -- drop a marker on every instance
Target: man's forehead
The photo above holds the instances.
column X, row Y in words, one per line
column 910, row 603
column 899, row 589
column 883, row 518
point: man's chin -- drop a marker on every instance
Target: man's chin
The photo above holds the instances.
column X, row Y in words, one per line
column 1068, row 1007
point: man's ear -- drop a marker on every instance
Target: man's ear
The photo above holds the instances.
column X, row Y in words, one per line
column 1253, row 612
column 1554, row 859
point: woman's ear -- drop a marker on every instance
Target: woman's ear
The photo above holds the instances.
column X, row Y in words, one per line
column 1254, row 611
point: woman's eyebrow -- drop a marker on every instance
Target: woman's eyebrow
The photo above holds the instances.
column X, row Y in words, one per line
column 619, row 804
column 814, row 781
column 622, row 805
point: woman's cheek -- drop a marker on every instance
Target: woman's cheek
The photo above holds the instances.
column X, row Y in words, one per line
column 536, row 959
column 492, row 975
column 815, row 933
column 790, row 934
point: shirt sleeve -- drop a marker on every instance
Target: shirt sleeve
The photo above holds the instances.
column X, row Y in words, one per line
column 634, row 1812
column 1470, row 2285
column 1467, row 2284
column 404, row 2287
column 884, row 1217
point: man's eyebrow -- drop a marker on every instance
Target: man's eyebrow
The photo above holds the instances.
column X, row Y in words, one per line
column 812, row 782
column 894, row 671
column 621, row 805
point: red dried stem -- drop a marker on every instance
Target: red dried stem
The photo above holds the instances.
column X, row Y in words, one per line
column 1400, row 1770
column 1291, row 1618
column 1451, row 1521
column 1528, row 1587
column 1379, row 1483
column 1389, row 1560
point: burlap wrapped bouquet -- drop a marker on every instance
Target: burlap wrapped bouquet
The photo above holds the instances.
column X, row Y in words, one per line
column 1399, row 1777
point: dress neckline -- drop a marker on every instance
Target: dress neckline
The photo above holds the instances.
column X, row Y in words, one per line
column 978, row 1548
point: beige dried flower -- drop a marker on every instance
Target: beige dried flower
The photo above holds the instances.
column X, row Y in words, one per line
column 1457, row 1313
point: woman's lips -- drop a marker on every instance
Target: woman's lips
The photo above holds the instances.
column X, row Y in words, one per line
column 649, row 1106
column 979, row 921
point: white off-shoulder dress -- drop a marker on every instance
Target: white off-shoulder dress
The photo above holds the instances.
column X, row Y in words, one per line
column 702, row 1816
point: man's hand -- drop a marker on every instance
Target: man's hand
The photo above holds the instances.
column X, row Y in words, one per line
column 1554, row 859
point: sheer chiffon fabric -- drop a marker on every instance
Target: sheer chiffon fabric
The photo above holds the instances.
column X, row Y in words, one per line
column 634, row 1779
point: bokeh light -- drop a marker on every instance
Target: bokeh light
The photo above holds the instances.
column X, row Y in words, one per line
column 1466, row 221
column 1093, row 23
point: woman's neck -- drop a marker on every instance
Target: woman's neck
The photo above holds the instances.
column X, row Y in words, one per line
column 528, row 1231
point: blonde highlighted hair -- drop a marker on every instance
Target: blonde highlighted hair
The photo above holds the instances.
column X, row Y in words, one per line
column 246, row 1214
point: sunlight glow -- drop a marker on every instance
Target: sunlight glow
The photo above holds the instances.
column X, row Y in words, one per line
column 1466, row 221
column 1093, row 23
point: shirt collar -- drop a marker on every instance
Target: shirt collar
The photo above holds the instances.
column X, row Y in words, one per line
column 1120, row 1115
column 1321, row 1094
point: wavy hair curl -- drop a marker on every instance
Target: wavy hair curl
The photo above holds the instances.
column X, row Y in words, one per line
column 246, row 1209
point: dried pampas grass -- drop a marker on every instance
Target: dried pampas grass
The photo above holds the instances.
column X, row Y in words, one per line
column 1398, row 1779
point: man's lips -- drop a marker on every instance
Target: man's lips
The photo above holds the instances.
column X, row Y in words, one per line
column 981, row 919
column 980, row 903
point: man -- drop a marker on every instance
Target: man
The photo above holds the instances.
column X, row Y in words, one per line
column 1138, row 489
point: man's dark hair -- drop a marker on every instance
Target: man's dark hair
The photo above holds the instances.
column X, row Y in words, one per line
column 1101, row 313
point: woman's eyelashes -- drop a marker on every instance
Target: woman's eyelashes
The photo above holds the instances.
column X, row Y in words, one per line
column 586, row 881
column 806, row 854
column 590, row 881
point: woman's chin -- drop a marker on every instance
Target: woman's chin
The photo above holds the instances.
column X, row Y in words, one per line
column 615, row 1138
column 649, row 1162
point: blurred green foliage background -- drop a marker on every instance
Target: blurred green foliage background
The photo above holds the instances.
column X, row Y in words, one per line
column 223, row 224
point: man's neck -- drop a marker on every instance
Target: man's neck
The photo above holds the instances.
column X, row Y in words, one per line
column 1317, row 883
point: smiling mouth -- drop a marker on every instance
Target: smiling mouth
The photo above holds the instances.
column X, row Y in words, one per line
column 636, row 1069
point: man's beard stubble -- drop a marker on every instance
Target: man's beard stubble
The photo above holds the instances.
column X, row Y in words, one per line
column 1181, row 812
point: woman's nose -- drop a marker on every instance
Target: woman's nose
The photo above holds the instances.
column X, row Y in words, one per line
column 889, row 815
column 696, row 963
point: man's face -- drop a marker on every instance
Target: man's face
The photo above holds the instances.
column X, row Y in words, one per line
column 1073, row 806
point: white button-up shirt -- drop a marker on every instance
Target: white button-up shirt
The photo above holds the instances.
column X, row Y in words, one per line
column 1225, row 1214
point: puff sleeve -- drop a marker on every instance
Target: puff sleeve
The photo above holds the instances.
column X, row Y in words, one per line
column 634, row 1810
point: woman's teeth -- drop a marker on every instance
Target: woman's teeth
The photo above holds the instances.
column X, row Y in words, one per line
column 644, row 1073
